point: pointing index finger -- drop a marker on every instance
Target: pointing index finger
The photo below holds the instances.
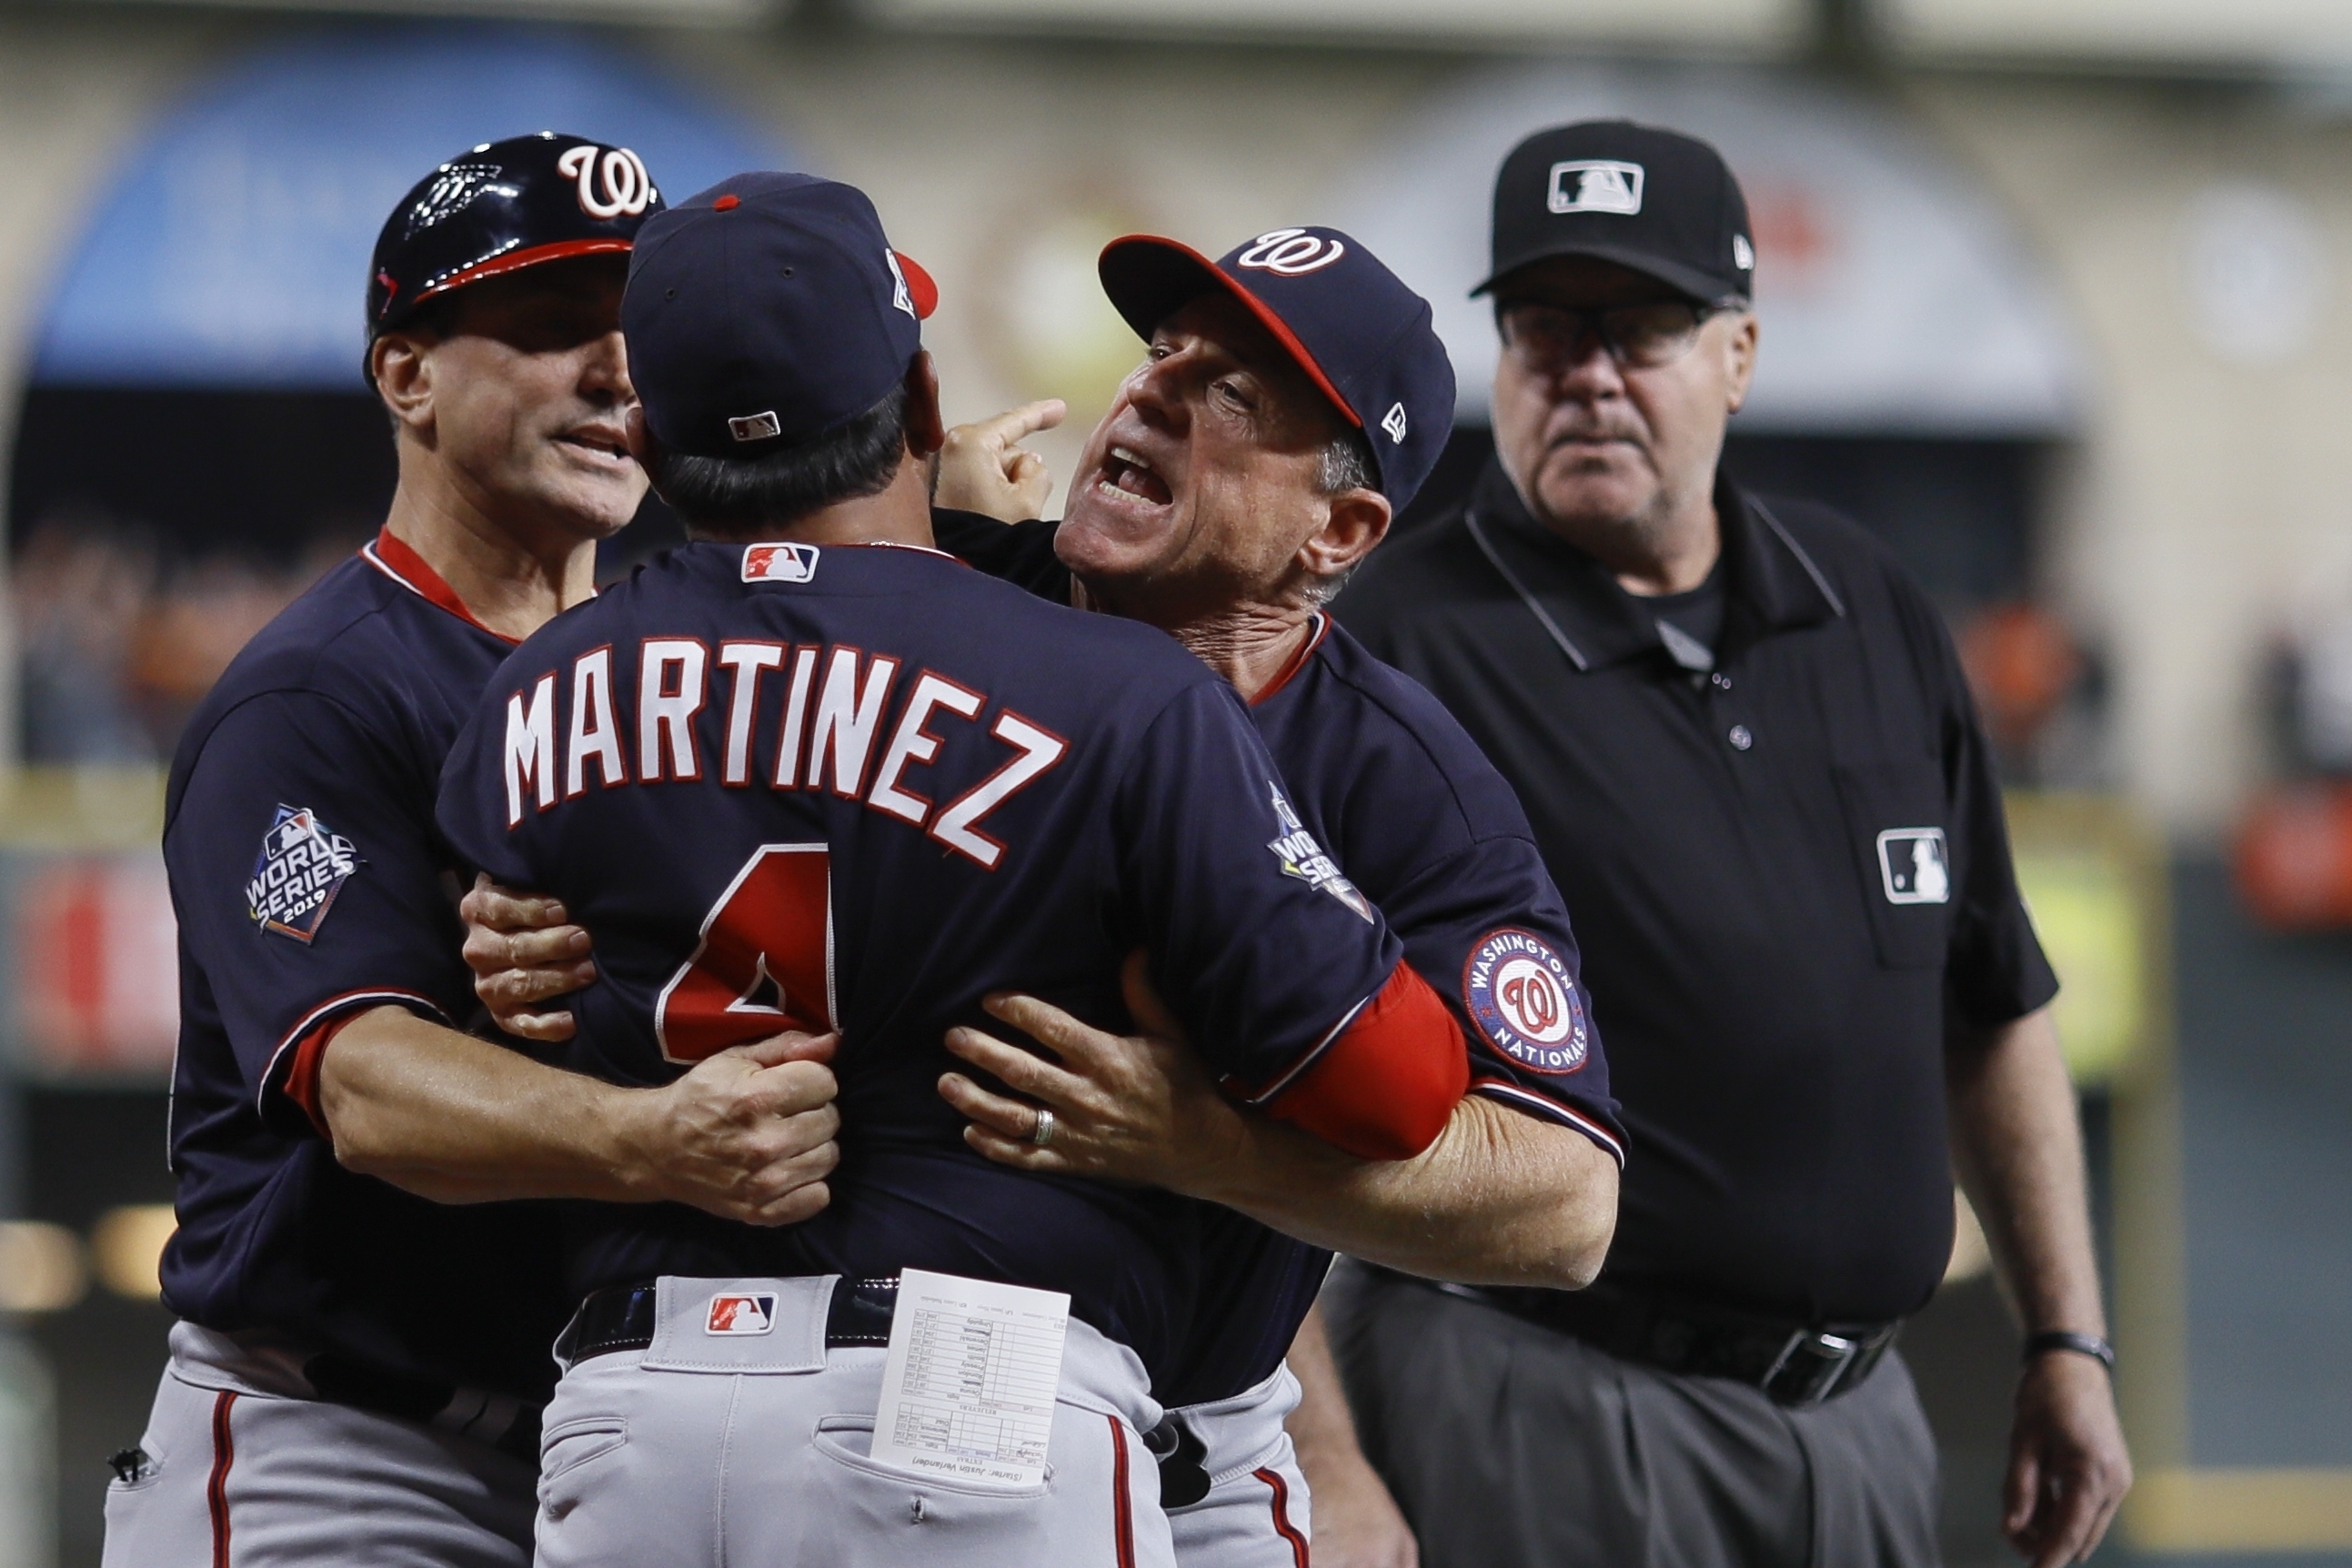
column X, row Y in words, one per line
column 1016, row 424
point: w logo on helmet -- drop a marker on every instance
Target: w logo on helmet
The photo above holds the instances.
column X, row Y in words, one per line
column 613, row 185
column 1290, row 252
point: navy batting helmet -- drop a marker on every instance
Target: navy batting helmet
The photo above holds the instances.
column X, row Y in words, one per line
column 502, row 206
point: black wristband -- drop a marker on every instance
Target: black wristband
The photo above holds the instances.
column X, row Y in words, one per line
column 2097, row 1349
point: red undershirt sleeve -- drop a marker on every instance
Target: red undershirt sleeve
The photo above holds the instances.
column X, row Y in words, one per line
column 1385, row 1087
column 302, row 1072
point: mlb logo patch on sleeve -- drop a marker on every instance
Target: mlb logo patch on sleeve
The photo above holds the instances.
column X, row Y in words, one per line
column 1522, row 997
column 1915, row 866
column 780, row 563
column 302, row 866
column 736, row 1313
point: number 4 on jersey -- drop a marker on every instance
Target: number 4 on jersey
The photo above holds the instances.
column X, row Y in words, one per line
column 765, row 963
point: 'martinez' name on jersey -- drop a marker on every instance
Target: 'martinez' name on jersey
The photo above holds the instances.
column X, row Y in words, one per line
column 858, row 789
column 822, row 734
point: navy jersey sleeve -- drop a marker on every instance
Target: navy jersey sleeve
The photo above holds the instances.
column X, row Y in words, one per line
column 1486, row 928
column 1265, row 955
column 471, row 810
column 1021, row 553
column 308, row 883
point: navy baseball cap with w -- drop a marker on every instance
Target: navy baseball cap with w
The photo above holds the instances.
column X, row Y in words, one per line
column 1362, row 336
column 766, row 311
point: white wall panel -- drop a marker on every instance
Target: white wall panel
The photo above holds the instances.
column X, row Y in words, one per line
column 1717, row 25
column 2308, row 34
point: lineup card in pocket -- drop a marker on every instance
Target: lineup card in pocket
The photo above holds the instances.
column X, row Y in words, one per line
column 968, row 1390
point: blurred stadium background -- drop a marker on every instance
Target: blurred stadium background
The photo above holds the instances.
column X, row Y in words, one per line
column 2054, row 296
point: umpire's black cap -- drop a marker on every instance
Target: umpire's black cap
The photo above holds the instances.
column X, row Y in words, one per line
column 1358, row 332
column 766, row 311
column 502, row 206
column 1656, row 201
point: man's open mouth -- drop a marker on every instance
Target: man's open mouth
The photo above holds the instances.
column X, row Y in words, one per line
column 605, row 445
column 1125, row 470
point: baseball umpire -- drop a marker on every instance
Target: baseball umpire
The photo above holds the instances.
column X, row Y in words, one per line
column 357, row 1371
column 1754, row 769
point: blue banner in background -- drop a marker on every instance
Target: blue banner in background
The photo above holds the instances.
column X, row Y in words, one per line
column 232, row 249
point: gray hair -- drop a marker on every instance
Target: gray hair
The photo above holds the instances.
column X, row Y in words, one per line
column 1347, row 465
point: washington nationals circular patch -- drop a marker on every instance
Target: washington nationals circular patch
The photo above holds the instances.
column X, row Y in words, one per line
column 1523, row 999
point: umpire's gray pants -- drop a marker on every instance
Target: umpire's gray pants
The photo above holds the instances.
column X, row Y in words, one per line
column 246, row 1471
column 1509, row 1444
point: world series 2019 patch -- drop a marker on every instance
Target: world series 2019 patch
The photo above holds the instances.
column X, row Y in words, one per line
column 302, row 866
column 1300, row 856
column 1523, row 999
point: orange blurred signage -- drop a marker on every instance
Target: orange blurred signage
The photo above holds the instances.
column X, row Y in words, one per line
column 2295, row 858
column 98, row 964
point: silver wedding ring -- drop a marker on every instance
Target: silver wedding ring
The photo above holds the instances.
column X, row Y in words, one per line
column 1043, row 1133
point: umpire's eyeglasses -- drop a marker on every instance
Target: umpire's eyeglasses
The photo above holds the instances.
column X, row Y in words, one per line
column 1548, row 339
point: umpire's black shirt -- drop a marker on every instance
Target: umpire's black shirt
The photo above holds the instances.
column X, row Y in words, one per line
column 1784, row 871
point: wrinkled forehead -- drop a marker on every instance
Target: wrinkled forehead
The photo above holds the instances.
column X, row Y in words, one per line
column 1229, row 329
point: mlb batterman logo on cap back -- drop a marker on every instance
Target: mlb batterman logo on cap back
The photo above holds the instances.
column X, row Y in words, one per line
column 1656, row 201
column 1362, row 336
column 766, row 311
column 503, row 206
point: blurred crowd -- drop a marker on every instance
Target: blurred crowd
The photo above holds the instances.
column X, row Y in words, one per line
column 120, row 634
column 2293, row 852
column 2042, row 696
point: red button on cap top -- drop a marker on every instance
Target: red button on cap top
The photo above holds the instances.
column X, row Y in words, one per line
column 727, row 202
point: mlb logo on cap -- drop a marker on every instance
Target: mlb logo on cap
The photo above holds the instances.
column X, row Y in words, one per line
column 741, row 1314
column 1654, row 201
column 1915, row 866
column 1596, row 186
column 780, row 563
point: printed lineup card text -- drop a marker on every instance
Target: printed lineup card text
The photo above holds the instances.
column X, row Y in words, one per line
column 968, row 1391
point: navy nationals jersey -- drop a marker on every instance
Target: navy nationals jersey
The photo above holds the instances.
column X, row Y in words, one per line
column 1384, row 778
column 1379, row 775
column 862, row 787
column 311, row 885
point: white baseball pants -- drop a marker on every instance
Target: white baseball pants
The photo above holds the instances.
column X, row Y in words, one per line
column 1256, row 1512
column 244, row 1472
column 702, row 1451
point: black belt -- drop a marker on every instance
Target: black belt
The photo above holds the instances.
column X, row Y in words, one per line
column 1796, row 1364
column 509, row 1425
column 622, row 1317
